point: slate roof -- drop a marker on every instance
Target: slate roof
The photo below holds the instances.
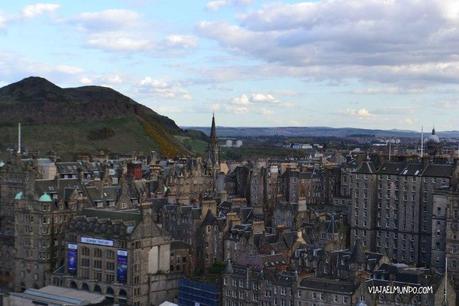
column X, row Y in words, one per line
column 412, row 169
column 125, row 215
column 68, row 167
column 328, row 285
column 53, row 295
column 438, row 170
column 209, row 219
column 391, row 168
column 366, row 167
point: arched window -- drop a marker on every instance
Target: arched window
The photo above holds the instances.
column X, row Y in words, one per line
column 73, row 285
column 97, row 288
column 110, row 291
column 122, row 293
column 85, row 251
column 85, row 287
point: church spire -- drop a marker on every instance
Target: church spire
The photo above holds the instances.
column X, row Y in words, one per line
column 213, row 131
column 213, row 150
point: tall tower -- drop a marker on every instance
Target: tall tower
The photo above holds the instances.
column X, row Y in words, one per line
column 213, row 151
column 19, row 138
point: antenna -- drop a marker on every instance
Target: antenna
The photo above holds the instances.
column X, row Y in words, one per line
column 422, row 141
column 19, row 138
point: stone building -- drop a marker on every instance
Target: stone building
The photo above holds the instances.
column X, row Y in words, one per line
column 209, row 240
column 363, row 211
column 42, row 212
column 13, row 177
column 445, row 232
column 324, row 292
column 392, row 208
column 121, row 254
column 441, row 201
column 427, row 288
column 243, row 285
column 187, row 179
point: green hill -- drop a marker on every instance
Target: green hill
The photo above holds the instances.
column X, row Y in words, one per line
column 83, row 120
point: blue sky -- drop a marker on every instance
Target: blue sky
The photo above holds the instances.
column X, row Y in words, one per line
column 374, row 64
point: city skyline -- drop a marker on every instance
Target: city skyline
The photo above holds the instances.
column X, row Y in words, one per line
column 254, row 63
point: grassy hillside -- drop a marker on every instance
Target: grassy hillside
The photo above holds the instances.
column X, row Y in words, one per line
column 128, row 136
column 84, row 119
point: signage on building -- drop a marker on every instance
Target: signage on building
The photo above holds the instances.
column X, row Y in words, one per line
column 122, row 266
column 72, row 258
column 103, row 242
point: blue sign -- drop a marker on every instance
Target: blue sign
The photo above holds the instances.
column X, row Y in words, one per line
column 121, row 270
column 72, row 258
column 97, row 241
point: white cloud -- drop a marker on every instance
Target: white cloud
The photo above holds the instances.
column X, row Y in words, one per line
column 361, row 113
column 37, row 9
column 218, row 4
column 14, row 67
column 108, row 80
column 68, row 69
column 251, row 103
column 118, row 41
column 263, row 98
column 181, row 41
column 388, row 90
column 3, row 21
column 410, row 42
column 86, row 81
column 114, row 30
column 125, row 30
column 108, row 20
column 164, row 89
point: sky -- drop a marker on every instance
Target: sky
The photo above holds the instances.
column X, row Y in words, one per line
column 342, row 63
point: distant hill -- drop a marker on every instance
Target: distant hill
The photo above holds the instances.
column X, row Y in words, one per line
column 84, row 119
column 316, row 132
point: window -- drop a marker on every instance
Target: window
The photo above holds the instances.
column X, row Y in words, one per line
column 97, row 264
column 110, row 266
column 84, row 273
column 110, row 278
column 85, row 251
column 110, row 254
column 97, row 253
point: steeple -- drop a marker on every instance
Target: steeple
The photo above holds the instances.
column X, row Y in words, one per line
column 213, row 131
column 213, row 150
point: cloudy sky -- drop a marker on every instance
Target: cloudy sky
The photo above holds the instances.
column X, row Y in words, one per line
column 373, row 63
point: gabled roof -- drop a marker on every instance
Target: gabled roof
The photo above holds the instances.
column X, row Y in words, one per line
column 391, row 168
column 358, row 253
column 366, row 167
column 412, row 169
column 438, row 170
column 209, row 219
